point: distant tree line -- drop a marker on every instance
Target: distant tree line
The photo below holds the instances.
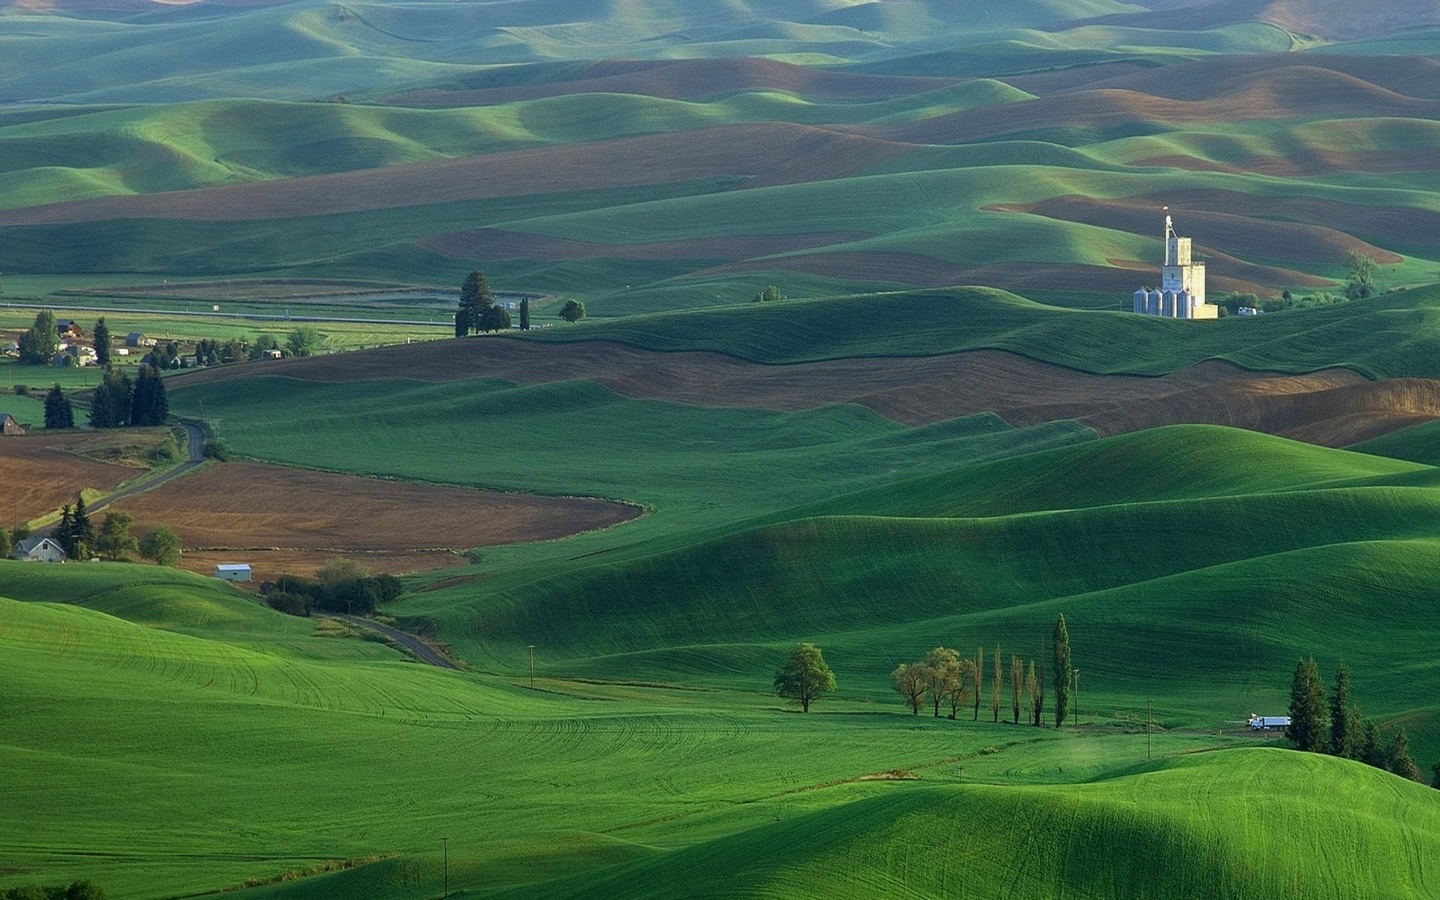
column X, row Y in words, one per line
column 342, row 586
column 75, row 890
column 1338, row 728
column 943, row 679
column 113, row 540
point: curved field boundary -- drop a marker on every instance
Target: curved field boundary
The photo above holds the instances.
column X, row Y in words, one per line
column 1334, row 407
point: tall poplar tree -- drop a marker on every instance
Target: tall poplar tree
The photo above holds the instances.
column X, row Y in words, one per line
column 1307, row 708
column 1017, row 684
column 1061, row 650
column 102, row 343
column 979, row 680
column 1033, row 694
column 524, row 313
column 995, row 676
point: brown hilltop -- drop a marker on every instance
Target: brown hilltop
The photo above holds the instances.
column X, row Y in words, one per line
column 1334, row 407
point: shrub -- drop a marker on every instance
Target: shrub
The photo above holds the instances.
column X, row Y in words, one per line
column 217, row 450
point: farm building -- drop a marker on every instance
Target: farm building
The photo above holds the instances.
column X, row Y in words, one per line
column 39, row 549
column 138, row 339
column 68, row 328
column 1182, row 284
column 8, row 425
column 233, row 571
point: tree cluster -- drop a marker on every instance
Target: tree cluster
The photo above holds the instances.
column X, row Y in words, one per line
column 76, row 533
column 342, row 586
column 119, row 402
column 38, row 344
column 478, row 310
column 75, row 890
column 771, row 294
column 1359, row 276
column 943, row 679
column 1337, row 727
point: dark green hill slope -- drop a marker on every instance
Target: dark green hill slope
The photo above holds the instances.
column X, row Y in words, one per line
column 1390, row 336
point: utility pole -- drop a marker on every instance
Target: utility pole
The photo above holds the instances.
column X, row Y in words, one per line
column 1149, row 727
column 532, row 667
column 446, row 843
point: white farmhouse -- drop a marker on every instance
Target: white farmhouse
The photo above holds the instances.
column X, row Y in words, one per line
column 39, row 549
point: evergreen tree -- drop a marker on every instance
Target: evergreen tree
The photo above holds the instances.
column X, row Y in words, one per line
column 805, row 676
column 102, row 343
column 524, row 313
column 1435, row 775
column 1371, row 751
column 65, row 530
column 1307, row 708
column 474, row 300
column 1345, row 726
column 995, row 676
column 58, row 411
column 111, row 403
column 1400, row 762
column 6, row 545
column 82, row 529
column 149, row 406
column 1061, row 650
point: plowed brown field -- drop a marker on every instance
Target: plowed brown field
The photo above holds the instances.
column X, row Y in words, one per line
column 794, row 153
column 42, row 472
column 293, row 520
column 1334, row 407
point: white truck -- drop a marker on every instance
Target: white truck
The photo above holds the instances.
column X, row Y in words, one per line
column 1268, row 723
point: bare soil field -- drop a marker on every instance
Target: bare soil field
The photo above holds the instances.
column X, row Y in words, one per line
column 1334, row 407
column 794, row 153
column 43, row 472
column 497, row 243
column 293, row 520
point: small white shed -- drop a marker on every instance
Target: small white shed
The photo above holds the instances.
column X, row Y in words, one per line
column 233, row 571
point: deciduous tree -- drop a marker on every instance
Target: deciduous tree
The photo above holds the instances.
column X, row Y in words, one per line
column 1061, row 649
column 910, row 682
column 494, row 318
column 805, row 676
column 161, row 545
column 942, row 671
column 1307, row 708
column 770, row 295
column 995, row 676
column 305, row 340
column 114, row 542
column 1017, row 685
column 37, row 345
column 572, row 311
column 1359, row 275
column 1032, row 694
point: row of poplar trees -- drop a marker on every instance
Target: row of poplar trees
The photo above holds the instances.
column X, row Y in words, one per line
column 1337, row 727
column 943, row 679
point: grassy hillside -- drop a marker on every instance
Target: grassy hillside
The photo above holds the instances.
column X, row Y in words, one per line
column 1389, row 336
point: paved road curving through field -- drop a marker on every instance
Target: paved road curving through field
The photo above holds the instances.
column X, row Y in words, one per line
column 196, row 441
column 426, row 653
